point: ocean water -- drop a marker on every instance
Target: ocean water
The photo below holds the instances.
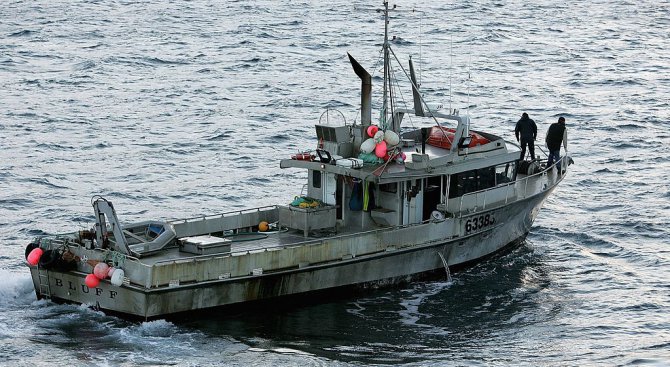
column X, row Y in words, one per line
column 174, row 109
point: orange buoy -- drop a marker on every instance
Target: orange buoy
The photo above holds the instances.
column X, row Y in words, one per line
column 92, row 281
column 372, row 130
column 380, row 149
column 34, row 256
column 100, row 270
column 263, row 226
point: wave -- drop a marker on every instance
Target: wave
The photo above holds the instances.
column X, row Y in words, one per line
column 16, row 204
column 630, row 126
column 143, row 61
column 221, row 136
column 84, row 65
column 16, row 289
column 22, row 33
column 91, row 47
column 43, row 181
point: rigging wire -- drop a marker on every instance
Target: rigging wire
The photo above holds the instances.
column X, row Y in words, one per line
column 394, row 80
column 404, row 101
column 392, row 97
column 420, row 97
column 420, row 45
column 451, row 64
column 468, row 87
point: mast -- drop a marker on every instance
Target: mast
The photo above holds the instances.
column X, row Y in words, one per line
column 386, row 60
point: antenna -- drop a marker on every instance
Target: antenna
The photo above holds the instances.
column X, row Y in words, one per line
column 451, row 65
column 468, row 87
column 420, row 45
column 386, row 62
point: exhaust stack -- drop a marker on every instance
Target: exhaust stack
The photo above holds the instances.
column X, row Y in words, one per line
column 366, row 91
column 418, row 107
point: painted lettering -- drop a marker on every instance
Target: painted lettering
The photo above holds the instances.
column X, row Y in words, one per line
column 479, row 222
column 112, row 294
column 84, row 288
column 98, row 291
column 59, row 282
column 72, row 288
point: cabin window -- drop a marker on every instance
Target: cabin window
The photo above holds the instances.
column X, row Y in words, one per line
column 316, row 179
column 389, row 187
column 486, row 178
column 431, row 195
column 471, row 181
column 434, row 181
column 463, row 183
column 505, row 173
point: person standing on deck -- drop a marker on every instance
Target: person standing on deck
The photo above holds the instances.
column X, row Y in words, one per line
column 556, row 134
column 528, row 130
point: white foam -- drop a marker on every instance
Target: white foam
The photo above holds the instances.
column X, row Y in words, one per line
column 16, row 288
column 157, row 328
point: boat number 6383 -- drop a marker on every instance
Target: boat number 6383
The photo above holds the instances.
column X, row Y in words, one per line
column 479, row 222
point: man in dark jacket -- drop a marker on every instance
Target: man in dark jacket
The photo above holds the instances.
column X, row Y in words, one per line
column 527, row 129
column 556, row 135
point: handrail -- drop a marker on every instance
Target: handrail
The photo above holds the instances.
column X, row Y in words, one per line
column 524, row 181
column 221, row 215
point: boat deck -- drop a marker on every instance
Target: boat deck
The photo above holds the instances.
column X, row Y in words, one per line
column 524, row 187
column 262, row 241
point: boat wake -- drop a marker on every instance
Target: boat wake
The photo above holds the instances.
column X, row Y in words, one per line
column 16, row 289
column 411, row 314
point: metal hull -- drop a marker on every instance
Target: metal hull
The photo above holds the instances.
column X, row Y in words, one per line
column 394, row 265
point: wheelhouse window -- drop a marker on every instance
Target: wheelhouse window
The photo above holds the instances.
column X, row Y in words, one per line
column 505, row 173
column 316, row 179
column 389, row 187
column 463, row 183
column 480, row 179
column 486, row 178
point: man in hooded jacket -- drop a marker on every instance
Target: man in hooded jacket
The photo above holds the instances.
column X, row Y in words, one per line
column 527, row 129
column 557, row 134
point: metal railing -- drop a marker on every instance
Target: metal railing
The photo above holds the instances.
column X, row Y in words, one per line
column 541, row 182
column 223, row 215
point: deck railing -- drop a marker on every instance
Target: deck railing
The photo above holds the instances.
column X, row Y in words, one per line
column 223, row 215
column 536, row 183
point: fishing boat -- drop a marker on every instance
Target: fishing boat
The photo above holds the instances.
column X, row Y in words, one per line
column 383, row 204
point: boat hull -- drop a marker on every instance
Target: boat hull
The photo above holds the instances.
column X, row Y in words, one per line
column 392, row 266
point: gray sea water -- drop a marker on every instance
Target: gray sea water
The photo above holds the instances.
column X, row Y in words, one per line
column 180, row 108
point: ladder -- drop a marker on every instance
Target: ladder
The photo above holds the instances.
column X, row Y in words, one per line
column 44, row 285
